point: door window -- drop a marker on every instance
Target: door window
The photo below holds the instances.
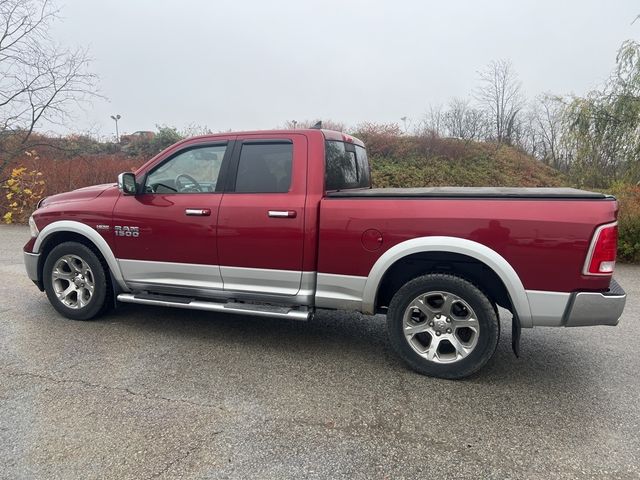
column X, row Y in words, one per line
column 264, row 168
column 195, row 170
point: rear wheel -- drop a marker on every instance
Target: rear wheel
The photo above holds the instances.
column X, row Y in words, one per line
column 443, row 326
column 75, row 281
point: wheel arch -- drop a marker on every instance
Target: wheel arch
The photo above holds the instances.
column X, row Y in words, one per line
column 449, row 249
column 66, row 231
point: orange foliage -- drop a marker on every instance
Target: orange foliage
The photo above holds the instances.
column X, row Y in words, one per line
column 64, row 174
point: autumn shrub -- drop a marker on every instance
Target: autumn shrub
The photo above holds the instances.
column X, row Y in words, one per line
column 59, row 175
column 628, row 221
column 67, row 174
column 380, row 139
column 22, row 191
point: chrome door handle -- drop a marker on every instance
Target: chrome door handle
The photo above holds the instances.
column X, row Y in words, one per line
column 197, row 212
column 282, row 213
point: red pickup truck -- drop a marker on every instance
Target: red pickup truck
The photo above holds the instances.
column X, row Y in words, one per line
column 281, row 223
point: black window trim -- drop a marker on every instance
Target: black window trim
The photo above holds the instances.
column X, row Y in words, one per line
column 221, row 175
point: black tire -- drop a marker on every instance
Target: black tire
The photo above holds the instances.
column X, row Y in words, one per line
column 488, row 332
column 99, row 300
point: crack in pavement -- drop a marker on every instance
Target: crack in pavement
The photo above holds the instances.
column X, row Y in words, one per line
column 61, row 381
column 169, row 465
column 180, row 458
column 175, row 461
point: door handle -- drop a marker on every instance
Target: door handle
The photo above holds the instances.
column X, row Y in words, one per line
column 197, row 212
column 282, row 213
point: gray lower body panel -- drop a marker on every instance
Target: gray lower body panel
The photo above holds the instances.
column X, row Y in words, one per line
column 285, row 287
column 577, row 309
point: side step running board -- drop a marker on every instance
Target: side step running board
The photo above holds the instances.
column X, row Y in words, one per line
column 230, row 307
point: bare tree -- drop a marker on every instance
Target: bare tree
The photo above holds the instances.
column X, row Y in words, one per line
column 501, row 95
column 548, row 121
column 433, row 123
column 194, row 130
column 463, row 121
column 326, row 124
column 39, row 81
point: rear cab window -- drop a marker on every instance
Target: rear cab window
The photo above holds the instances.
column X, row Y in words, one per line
column 346, row 166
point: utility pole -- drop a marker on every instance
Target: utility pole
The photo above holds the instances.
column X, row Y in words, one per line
column 294, row 123
column 115, row 118
column 404, row 120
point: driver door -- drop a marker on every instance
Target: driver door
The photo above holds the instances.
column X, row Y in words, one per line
column 166, row 236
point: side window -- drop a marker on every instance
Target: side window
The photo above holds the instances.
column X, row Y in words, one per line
column 195, row 170
column 264, row 168
column 341, row 167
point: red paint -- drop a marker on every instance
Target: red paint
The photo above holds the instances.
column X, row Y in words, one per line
column 545, row 241
column 91, row 206
column 167, row 233
column 249, row 237
column 371, row 239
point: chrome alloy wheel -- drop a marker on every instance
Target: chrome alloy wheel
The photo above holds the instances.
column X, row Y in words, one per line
column 73, row 281
column 441, row 327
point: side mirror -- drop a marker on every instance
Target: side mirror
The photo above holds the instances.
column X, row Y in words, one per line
column 127, row 183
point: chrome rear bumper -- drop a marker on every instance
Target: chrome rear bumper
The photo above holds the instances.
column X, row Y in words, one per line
column 577, row 309
column 595, row 308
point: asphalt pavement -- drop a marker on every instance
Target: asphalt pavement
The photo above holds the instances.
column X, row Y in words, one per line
column 148, row 392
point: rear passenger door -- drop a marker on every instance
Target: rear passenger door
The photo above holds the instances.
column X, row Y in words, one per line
column 261, row 216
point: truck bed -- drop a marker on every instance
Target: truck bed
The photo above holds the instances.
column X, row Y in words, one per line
column 471, row 192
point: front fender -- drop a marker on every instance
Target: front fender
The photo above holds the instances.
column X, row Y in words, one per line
column 90, row 234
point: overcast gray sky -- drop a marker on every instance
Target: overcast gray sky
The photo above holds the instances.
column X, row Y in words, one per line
column 256, row 64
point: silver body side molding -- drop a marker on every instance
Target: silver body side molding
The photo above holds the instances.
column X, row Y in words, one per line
column 547, row 308
column 342, row 292
column 220, row 282
column 476, row 250
column 169, row 274
column 264, row 280
column 91, row 234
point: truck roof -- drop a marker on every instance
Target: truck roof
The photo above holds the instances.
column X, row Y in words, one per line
column 328, row 134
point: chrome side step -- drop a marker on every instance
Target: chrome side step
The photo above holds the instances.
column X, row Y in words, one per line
column 271, row 311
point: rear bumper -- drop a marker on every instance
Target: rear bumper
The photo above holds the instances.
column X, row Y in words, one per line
column 595, row 308
column 577, row 309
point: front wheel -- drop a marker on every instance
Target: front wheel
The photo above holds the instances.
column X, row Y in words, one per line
column 443, row 326
column 76, row 281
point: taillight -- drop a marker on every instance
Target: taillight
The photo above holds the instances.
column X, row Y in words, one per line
column 601, row 259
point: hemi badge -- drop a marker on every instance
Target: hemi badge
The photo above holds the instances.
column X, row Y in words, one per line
column 102, row 227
